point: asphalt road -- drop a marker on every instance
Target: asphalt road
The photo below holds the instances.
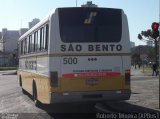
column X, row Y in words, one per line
column 145, row 91
column 12, row 100
column 13, row 103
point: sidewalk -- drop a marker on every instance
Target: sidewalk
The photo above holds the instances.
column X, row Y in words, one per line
column 8, row 72
column 137, row 72
column 145, row 72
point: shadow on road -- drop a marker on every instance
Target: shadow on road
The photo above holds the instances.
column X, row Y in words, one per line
column 126, row 107
column 88, row 110
column 70, row 110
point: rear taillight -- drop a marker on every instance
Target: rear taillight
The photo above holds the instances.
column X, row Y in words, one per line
column 127, row 76
column 54, row 79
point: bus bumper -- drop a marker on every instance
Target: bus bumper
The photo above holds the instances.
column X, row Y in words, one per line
column 90, row 96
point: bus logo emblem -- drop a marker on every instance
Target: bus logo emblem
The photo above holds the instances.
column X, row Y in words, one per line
column 92, row 81
column 90, row 18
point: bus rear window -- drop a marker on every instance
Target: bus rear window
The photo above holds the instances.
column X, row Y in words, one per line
column 90, row 24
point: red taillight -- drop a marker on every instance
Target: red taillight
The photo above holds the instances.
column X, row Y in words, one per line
column 54, row 79
column 91, row 74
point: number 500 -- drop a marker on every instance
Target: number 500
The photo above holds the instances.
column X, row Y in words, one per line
column 70, row 60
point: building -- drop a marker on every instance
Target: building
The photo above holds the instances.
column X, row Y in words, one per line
column 33, row 22
column 22, row 31
column 8, row 40
column 89, row 4
column 8, row 46
column 132, row 44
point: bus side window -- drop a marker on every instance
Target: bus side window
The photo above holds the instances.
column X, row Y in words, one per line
column 42, row 39
column 33, row 43
column 25, row 45
column 18, row 46
column 46, row 32
column 30, row 43
column 21, row 47
column 36, row 40
column 39, row 40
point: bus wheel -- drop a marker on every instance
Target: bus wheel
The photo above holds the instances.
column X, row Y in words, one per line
column 35, row 94
column 23, row 91
column 20, row 84
column 20, row 81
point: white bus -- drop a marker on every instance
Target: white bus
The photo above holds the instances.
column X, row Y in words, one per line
column 77, row 55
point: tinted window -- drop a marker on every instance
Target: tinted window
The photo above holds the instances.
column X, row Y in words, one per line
column 90, row 24
column 46, row 36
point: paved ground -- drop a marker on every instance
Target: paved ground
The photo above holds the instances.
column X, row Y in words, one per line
column 136, row 72
column 144, row 99
column 12, row 100
column 145, row 89
column 143, row 71
column 145, row 93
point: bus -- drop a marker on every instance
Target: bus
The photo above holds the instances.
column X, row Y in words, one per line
column 76, row 54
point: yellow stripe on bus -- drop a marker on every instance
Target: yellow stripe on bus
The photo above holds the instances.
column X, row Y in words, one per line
column 77, row 54
column 90, row 54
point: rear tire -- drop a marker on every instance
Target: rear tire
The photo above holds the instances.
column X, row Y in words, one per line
column 23, row 91
column 20, row 84
column 20, row 81
column 35, row 94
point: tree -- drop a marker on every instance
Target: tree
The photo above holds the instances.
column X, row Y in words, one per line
column 151, row 35
column 137, row 51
